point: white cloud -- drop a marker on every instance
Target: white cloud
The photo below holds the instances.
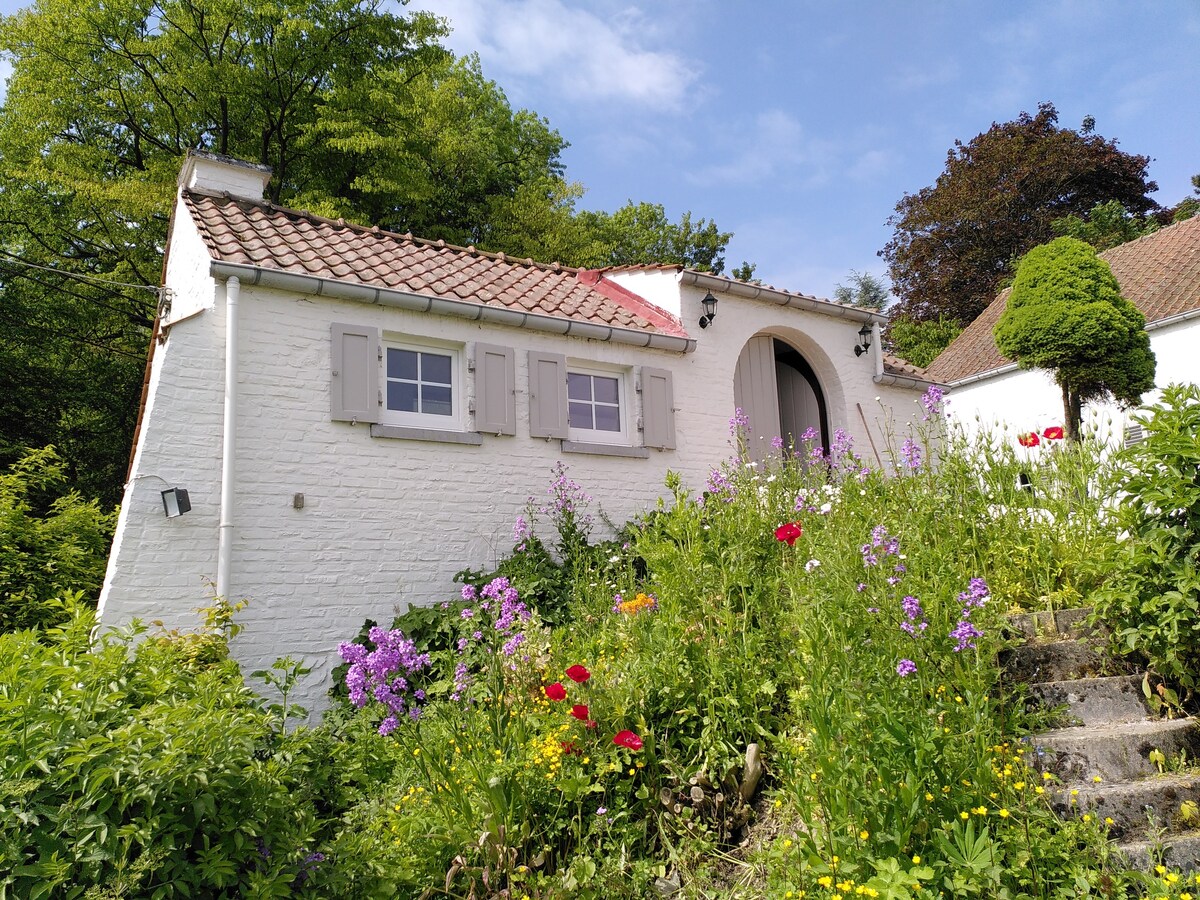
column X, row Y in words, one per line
column 588, row 58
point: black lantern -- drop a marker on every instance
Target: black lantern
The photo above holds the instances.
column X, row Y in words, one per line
column 864, row 339
column 710, row 309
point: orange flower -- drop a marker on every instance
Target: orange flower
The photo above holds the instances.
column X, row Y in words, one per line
column 1029, row 440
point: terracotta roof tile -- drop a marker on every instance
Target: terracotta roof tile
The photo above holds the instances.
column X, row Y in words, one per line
column 271, row 237
column 894, row 365
column 1158, row 273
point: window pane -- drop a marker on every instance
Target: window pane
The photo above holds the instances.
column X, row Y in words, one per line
column 608, row 418
column 435, row 400
column 579, row 415
column 402, row 396
column 401, row 364
column 606, row 389
column 435, row 367
column 579, row 387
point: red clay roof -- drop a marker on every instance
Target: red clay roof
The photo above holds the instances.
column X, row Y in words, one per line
column 263, row 235
column 1158, row 273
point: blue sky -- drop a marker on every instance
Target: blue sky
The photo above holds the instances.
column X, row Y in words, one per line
column 799, row 125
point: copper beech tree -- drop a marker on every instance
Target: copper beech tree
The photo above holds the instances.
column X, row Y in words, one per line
column 1066, row 314
column 954, row 242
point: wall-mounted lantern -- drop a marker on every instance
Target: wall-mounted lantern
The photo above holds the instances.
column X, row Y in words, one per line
column 864, row 339
column 710, row 309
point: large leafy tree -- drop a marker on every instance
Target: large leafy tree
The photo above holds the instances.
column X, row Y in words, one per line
column 864, row 290
column 1066, row 314
column 954, row 242
column 360, row 112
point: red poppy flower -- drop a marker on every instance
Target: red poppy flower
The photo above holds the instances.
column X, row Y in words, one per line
column 789, row 532
column 569, row 748
column 580, row 712
column 628, row 739
column 1053, row 433
column 556, row 692
column 1029, row 440
column 578, row 674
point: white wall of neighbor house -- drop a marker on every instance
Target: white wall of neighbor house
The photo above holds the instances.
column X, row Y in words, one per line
column 386, row 522
column 1022, row 400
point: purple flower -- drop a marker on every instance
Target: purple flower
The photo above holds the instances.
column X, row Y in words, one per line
column 906, row 667
column 777, row 442
column 932, row 401
column 521, row 530
column 861, row 586
column 910, row 454
column 468, row 592
column 914, row 616
column 965, row 633
column 380, row 674
column 466, row 613
column 739, row 421
column 511, row 645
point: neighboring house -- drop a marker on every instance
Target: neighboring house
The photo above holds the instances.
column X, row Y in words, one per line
column 1158, row 273
column 357, row 415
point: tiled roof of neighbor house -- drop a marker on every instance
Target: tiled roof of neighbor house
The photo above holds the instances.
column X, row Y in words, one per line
column 263, row 235
column 894, row 365
column 1158, row 273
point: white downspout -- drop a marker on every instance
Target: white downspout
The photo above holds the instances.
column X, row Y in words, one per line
column 233, row 291
column 877, row 346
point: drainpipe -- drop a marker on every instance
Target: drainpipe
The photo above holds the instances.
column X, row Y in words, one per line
column 233, row 291
column 877, row 346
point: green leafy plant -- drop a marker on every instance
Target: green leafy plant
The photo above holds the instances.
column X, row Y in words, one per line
column 1151, row 597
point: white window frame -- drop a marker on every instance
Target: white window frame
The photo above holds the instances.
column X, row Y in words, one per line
column 592, row 435
column 453, row 422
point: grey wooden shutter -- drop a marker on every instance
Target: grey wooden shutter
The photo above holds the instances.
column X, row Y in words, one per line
column 354, row 373
column 658, row 409
column 547, row 395
column 495, row 389
column 756, row 393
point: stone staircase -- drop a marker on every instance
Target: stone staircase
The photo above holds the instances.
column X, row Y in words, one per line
column 1102, row 752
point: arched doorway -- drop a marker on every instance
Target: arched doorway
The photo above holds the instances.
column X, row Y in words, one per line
column 779, row 393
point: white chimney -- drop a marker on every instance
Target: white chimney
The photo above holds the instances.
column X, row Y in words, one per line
column 214, row 174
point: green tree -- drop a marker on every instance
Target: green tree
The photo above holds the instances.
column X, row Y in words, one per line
column 864, row 290
column 1106, row 226
column 1066, row 313
column 52, row 542
column 954, row 242
column 920, row 342
column 641, row 233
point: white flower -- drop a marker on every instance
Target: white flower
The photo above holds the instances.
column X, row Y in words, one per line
column 825, row 508
column 811, row 564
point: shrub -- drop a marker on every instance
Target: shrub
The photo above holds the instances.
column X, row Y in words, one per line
column 1151, row 598
column 143, row 772
column 51, row 541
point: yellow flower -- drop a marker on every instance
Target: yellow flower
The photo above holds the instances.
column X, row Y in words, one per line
column 1004, row 814
column 825, row 881
column 928, row 796
column 916, row 860
column 1040, row 789
column 964, row 815
column 864, row 834
column 1019, row 785
column 1097, row 779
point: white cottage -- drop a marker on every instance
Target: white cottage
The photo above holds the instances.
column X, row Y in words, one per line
column 357, row 415
column 1158, row 273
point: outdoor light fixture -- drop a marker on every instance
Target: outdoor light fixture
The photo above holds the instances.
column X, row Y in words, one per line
column 864, row 339
column 176, row 502
column 710, row 309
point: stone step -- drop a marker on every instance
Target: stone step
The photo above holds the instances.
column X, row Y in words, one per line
column 1063, row 624
column 1133, row 806
column 1095, row 701
column 1114, row 752
column 1178, row 852
column 1061, row 661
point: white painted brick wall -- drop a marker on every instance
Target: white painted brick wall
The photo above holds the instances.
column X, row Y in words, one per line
column 386, row 523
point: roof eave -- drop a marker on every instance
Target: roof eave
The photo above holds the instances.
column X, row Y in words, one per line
column 780, row 298
column 384, row 296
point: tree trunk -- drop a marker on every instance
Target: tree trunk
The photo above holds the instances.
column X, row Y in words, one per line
column 1072, row 413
